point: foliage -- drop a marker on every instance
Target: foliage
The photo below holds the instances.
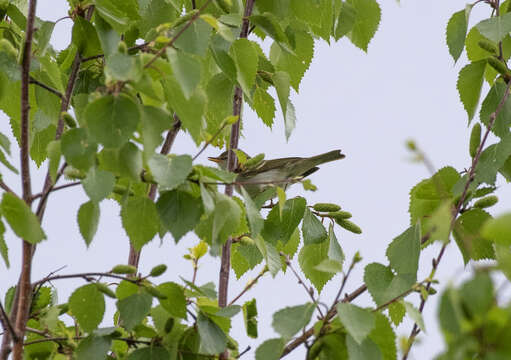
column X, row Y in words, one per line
column 105, row 111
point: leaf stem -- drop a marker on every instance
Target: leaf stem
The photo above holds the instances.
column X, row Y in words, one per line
column 249, row 285
column 46, row 87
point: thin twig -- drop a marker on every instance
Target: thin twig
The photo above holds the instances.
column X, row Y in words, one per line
column 309, row 291
column 134, row 255
column 46, row 87
column 207, row 143
column 6, row 323
column 87, row 276
column 5, row 187
column 136, row 47
column 56, row 188
column 179, row 33
column 58, row 339
column 249, row 285
column 244, row 352
column 471, row 176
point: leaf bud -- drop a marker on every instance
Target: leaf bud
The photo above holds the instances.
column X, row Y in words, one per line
column 486, row 202
column 432, row 291
column 123, row 269
column 326, row 207
column 73, row 173
column 155, row 292
column 475, row 139
column 120, row 190
column 487, row 45
column 245, row 240
column 499, row 66
column 68, row 119
column 63, row 308
column 410, row 145
column 357, row 258
column 122, row 47
column 225, row 5
column 105, row 290
column 169, row 325
column 158, row 270
column 253, row 162
column 340, row 215
column 348, row 225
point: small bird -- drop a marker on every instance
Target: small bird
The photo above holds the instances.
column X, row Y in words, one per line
column 276, row 172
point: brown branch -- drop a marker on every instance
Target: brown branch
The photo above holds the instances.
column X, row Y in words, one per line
column 46, row 87
column 225, row 264
column 56, row 188
column 244, row 352
column 249, row 285
column 471, row 176
column 58, row 339
column 308, row 333
column 134, row 255
column 179, row 33
column 6, row 188
column 24, row 299
column 86, row 276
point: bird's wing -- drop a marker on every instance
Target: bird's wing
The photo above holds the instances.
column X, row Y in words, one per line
column 268, row 165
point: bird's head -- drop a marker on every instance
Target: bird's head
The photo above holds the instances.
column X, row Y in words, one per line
column 221, row 159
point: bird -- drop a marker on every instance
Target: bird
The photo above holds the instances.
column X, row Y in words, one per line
column 282, row 172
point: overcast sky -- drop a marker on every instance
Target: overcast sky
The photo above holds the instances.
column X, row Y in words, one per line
column 365, row 104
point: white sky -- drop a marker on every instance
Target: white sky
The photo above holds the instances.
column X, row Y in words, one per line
column 365, row 104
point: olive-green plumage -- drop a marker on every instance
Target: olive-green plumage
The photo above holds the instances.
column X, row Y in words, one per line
column 277, row 172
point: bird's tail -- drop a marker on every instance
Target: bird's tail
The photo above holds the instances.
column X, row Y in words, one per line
column 327, row 157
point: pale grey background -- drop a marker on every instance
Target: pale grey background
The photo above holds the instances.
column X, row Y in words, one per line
column 365, row 104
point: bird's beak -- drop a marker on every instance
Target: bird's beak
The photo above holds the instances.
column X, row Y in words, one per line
column 214, row 159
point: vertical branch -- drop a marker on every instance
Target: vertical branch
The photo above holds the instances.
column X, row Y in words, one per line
column 134, row 255
column 231, row 165
column 23, row 304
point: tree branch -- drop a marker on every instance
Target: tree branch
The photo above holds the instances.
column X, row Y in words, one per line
column 136, row 47
column 6, row 188
column 134, row 255
column 23, row 304
column 6, row 323
column 56, row 188
column 86, row 276
column 58, row 339
column 179, row 33
column 46, row 87
column 249, row 285
column 471, row 176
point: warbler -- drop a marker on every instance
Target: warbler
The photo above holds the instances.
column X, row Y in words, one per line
column 275, row 172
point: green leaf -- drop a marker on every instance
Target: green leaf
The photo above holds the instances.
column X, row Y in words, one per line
column 175, row 303
column 88, row 219
column 415, row 315
column 140, row 220
column 346, row 20
column 170, row 172
column 478, row 294
column 21, row 219
column 495, row 28
column 313, row 231
column 250, row 318
column 154, row 122
column 226, row 217
column 244, row 257
column 383, row 285
column 85, row 38
column 154, row 13
column 212, row 338
column 118, row 14
column 54, row 154
column 403, row 252
column 469, row 237
column 93, row 347
column 310, row 256
column 503, row 256
column 108, row 38
column 255, row 219
column 282, row 85
column 4, row 251
column 245, row 58
column 134, row 308
column 123, row 67
column 366, row 350
column 87, row 305
column 79, row 151
column 112, row 120
column 271, row 256
column 98, row 184
column 335, row 252
column 290, row 320
column 470, row 82
column 269, row 24
column 149, row 353
column 358, row 321
column 281, row 228
column 497, row 230
column 474, row 51
column 457, row 32
column 366, row 23
column 187, row 70
column 264, row 105
column 195, row 39
column 492, row 159
column 270, row 349
column 397, row 312
column 179, row 212
column 489, row 106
